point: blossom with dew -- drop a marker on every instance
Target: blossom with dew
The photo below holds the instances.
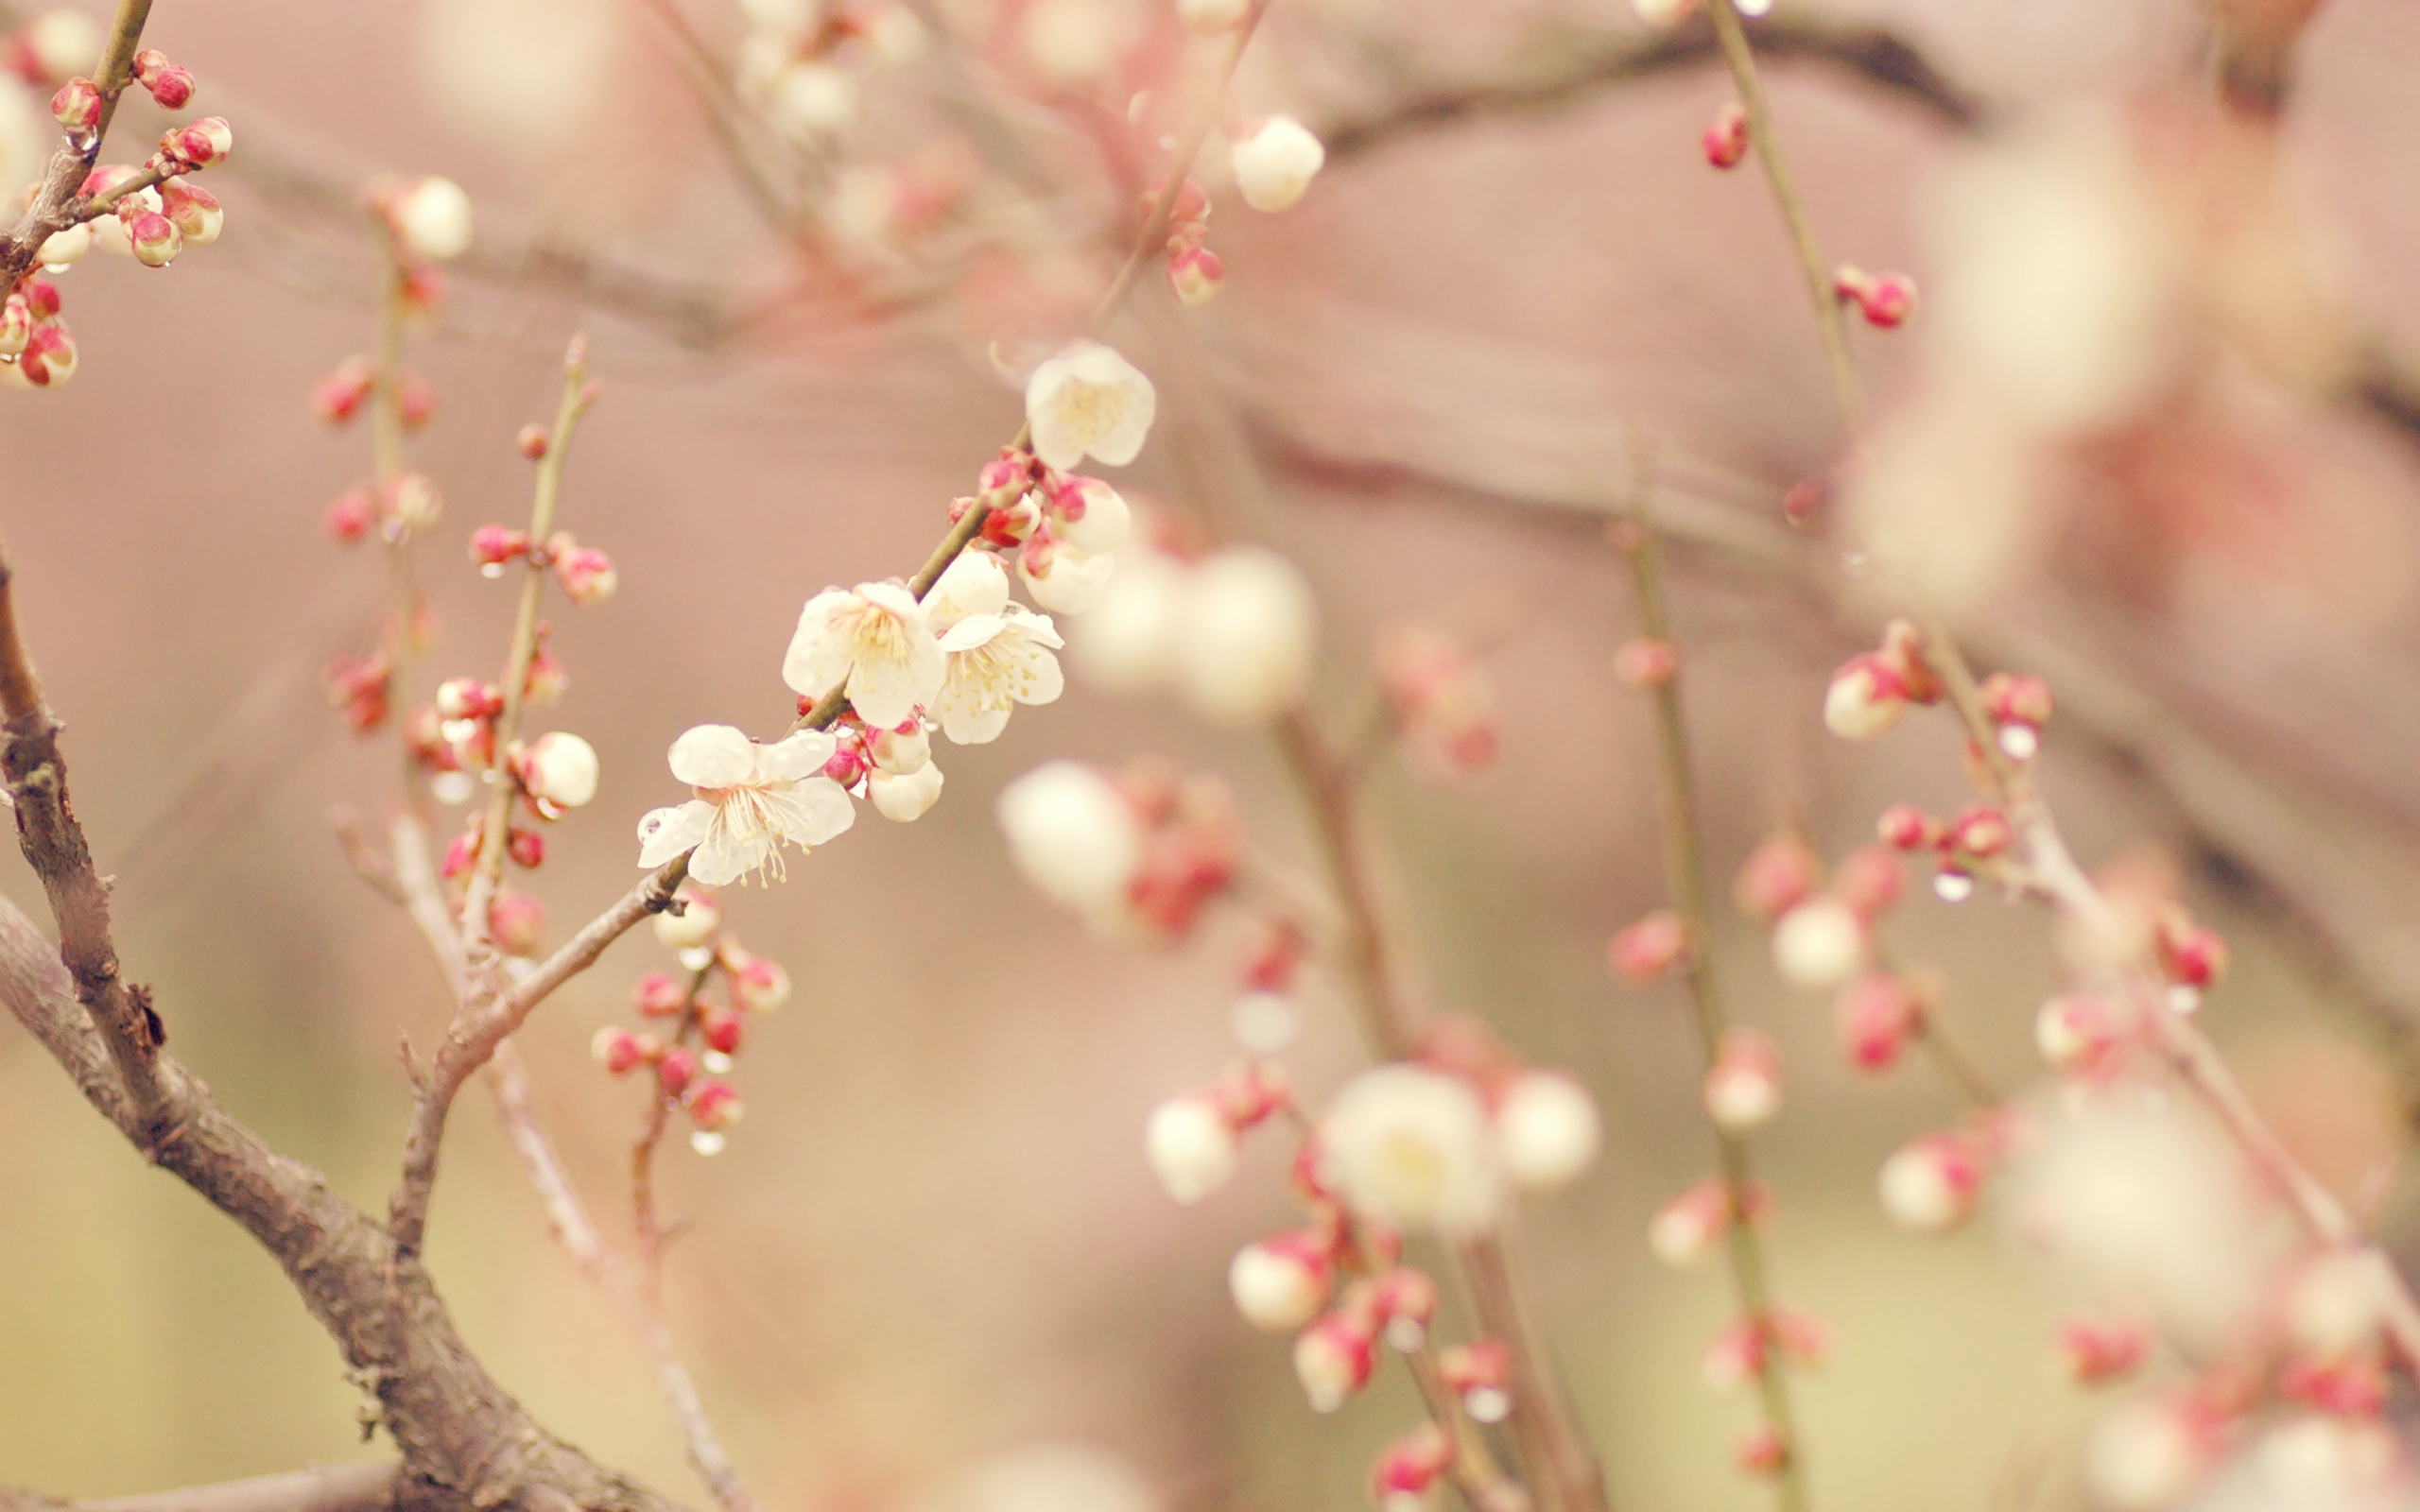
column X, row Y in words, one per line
column 1819, row 944
column 1275, row 163
column 999, row 653
column 1088, row 402
column 1743, row 1086
column 751, row 799
column 560, row 770
column 1281, row 1283
column 1246, row 640
column 1414, row 1149
column 1191, row 1143
column 1073, row 833
column 905, row 797
column 1547, row 1129
column 432, row 219
column 877, row 637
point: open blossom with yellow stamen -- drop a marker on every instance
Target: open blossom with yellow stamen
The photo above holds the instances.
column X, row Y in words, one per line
column 1088, row 400
column 999, row 653
column 751, row 799
column 878, row 638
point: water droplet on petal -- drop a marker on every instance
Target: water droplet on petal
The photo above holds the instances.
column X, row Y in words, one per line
column 707, row 1142
column 1952, row 886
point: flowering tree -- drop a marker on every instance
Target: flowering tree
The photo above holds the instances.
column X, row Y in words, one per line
column 2124, row 296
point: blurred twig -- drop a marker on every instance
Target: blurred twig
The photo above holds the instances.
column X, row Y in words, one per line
column 364, row 1487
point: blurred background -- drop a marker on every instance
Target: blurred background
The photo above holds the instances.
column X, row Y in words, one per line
column 934, row 1240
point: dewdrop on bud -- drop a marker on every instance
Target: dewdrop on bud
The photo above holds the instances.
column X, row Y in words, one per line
column 517, row 923
column 1743, row 1088
column 1726, row 140
column 1546, row 1130
column 1819, row 944
column 1192, row 1147
column 1333, row 1359
column 905, row 797
column 1281, row 1283
column 618, row 1049
column 586, row 574
column 724, row 1031
column 1981, row 832
column 1866, row 697
column 1645, row 951
column 491, row 546
column 196, row 211
column 77, row 107
column 699, row 921
column 1195, row 275
column 1686, row 1230
column 1275, row 163
column 432, row 219
column 559, row 769
column 155, row 238
column 1931, row 1184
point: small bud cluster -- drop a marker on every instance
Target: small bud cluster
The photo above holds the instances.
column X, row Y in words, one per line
column 1871, row 691
column 803, row 66
column 1443, row 701
column 427, row 221
column 1274, row 161
column 693, row 1040
column 1195, row 273
column 1140, row 854
column 1886, row 300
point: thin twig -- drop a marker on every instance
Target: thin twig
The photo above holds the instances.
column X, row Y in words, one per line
column 364, row 1487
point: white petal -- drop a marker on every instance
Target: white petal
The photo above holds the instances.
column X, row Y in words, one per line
column 975, row 583
column 1034, row 628
column 666, row 833
column 906, row 798
column 1072, row 579
column 722, row 860
column 819, row 656
column 827, row 809
column 795, row 757
column 886, row 691
column 714, row 756
column 1107, row 520
column 971, row 720
column 892, row 597
column 974, row 631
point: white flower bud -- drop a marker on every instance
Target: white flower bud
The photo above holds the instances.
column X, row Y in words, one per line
column 1274, row 165
column 1547, row 1126
column 1247, row 636
column 433, row 218
column 1412, row 1149
column 1070, row 580
column 901, row 751
column 1073, row 834
column 1279, row 1283
column 1129, row 643
column 700, row 920
column 63, row 247
column 1107, row 520
column 1743, row 1088
column 1192, row 1147
column 905, row 796
column 560, row 770
column 1930, row 1184
column 1819, row 945
column 1864, row 699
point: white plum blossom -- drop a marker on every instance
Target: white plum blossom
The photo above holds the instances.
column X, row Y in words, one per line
column 879, row 639
column 1088, row 402
column 999, row 653
column 560, row 770
column 1412, row 1149
column 1547, row 1129
column 1275, row 164
column 905, row 797
column 1192, row 1146
column 751, row 799
column 1065, row 578
column 1073, row 834
column 1280, row 1283
column 1246, row 636
column 433, row 219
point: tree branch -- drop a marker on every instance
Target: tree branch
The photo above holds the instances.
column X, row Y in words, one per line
column 363, row 1487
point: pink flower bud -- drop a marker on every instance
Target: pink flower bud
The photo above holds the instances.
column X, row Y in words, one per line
column 1406, row 1301
column 1281, row 1283
column 723, row 1030
column 1870, row 881
column 202, row 143
column 2190, row 954
column 759, row 985
column 618, row 1050
column 172, row 86
column 715, row 1106
column 1726, row 140
column 2092, row 1354
column 1866, row 697
column 1981, row 832
column 350, row 514
column 1736, row 1356
column 1479, row 1366
column 492, row 546
column 586, row 574
column 526, row 847
column 1805, row 503
column 1409, row 1467
column 846, row 765
column 42, row 297
column 2076, row 1031
column 1686, row 1230
column 16, row 325
column 676, row 1071
column 155, row 237
column 1931, row 1184
column 1905, row 827
column 1333, row 1359
column 1887, row 300
column 560, row 770
column 1651, row 947
column 659, row 996
column 1192, row 205
column 1778, row 875
column 196, row 211
column 459, row 853
column 1762, row 1452
column 1195, row 275
column 415, row 400
column 547, row 678
column 412, row 501
column 531, row 442
column 1009, row 473
column 1878, row 1015
column 468, row 699
column 1743, row 1088
column 339, row 395
column 49, row 357
column 1642, row 665
column 2016, row 698
column 517, row 922
column 78, row 106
